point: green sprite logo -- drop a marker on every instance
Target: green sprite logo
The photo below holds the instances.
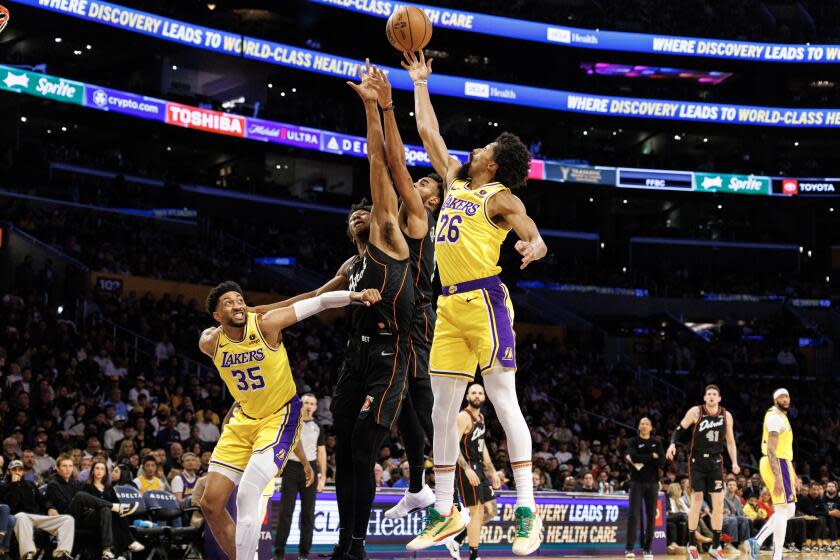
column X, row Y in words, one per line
column 722, row 182
column 42, row 85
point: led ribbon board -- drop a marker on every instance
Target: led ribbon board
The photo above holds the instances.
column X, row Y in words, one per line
column 92, row 96
column 596, row 39
column 440, row 84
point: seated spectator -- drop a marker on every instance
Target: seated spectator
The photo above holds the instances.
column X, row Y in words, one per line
column 7, row 526
column 29, row 472
column 97, row 508
column 184, row 483
column 757, row 515
column 43, row 462
column 811, row 505
column 402, row 481
column 115, row 433
column 676, row 521
column 735, row 523
column 587, row 483
column 149, row 479
column 831, row 506
column 32, row 511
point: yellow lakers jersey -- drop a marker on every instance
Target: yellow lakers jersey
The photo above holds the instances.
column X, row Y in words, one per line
column 784, row 449
column 258, row 377
column 467, row 242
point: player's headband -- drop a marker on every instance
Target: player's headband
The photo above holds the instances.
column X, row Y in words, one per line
column 779, row 393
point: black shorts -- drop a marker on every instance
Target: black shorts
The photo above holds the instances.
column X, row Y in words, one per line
column 422, row 333
column 473, row 495
column 705, row 472
column 372, row 381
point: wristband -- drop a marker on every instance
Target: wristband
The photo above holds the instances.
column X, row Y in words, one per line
column 421, row 82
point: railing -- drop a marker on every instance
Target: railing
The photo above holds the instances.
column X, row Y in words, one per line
column 140, row 345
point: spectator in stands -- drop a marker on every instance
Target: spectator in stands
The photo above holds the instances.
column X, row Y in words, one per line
column 43, row 462
column 32, row 511
column 831, row 506
column 811, row 505
column 11, row 450
column 168, row 432
column 29, row 472
column 676, row 528
column 149, row 479
column 208, row 430
column 402, row 481
column 735, row 523
column 754, row 488
column 756, row 514
column 138, row 389
column 7, row 527
column 115, row 433
column 184, row 482
column 99, row 509
column 587, row 483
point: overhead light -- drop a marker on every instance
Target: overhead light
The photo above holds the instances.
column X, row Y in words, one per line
column 586, row 133
column 278, row 166
column 801, row 248
column 63, row 129
column 809, row 253
column 831, row 209
column 270, row 85
column 88, row 47
column 615, row 133
column 23, row 119
column 411, row 114
column 211, row 6
column 77, row 52
column 705, row 140
column 60, row 309
column 49, row 131
column 591, row 199
column 57, row 39
column 796, row 143
column 677, row 137
column 174, row 67
column 720, row 206
column 490, row 123
column 169, row 148
column 282, row 94
column 603, row 244
column 496, row 124
column 624, row 269
column 827, row 279
column 624, row 201
column 294, row 90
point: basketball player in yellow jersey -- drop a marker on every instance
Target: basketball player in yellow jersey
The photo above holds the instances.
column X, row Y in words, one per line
column 247, row 349
column 474, row 326
column 776, row 468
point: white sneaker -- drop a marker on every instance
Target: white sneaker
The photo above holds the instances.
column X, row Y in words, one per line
column 647, row 555
column 454, row 548
column 136, row 547
column 410, row 503
column 630, row 555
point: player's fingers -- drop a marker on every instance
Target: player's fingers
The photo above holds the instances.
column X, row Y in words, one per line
column 404, row 65
column 422, row 57
column 429, row 64
column 408, row 55
column 367, row 66
column 353, row 85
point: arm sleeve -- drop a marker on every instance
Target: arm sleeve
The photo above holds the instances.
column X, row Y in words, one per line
column 315, row 305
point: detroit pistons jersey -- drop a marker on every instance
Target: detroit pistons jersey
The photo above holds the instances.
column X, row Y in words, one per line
column 467, row 241
column 472, row 443
column 375, row 269
column 709, row 436
column 258, row 376
column 422, row 259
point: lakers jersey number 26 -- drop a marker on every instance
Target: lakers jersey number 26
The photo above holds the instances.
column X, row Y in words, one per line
column 474, row 328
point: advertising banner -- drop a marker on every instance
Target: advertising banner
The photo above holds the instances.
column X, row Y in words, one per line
column 453, row 86
column 573, row 525
column 42, row 85
column 205, row 119
column 734, row 184
column 126, row 103
column 564, row 173
column 596, row 39
column 656, row 179
column 807, row 187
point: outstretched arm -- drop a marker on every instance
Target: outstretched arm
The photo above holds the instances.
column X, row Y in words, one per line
column 335, row 283
column 416, row 221
column 511, row 212
column 279, row 319
column 208, row 340
column 427, row 123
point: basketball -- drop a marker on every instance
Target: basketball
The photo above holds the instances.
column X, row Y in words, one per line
column 4, row 18
column 408, row 29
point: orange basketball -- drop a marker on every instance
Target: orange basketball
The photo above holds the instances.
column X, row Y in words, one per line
column 4, row 17
column 408, row 29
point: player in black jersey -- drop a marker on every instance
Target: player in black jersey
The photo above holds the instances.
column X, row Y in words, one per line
column 475, row 476
column 373, row 377
column 712, row 433
column 416, row 218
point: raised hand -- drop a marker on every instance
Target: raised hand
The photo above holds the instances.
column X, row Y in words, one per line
column 530, row 251
column 379, row 82
column 363, row 88
column 418, row 68
column 367, row 297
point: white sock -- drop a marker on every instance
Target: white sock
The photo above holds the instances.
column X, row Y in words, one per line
column 500, row 384
column 780, row 517
column 524, row 485
column 444, row 488
column 448, row 393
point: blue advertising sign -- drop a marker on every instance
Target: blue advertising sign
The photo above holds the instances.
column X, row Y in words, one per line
column 453, row 86
column 126, row 103
column 596, row 39
column 656, row 179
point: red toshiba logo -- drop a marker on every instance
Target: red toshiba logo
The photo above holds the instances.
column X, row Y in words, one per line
column 660, row 519
column 790, row 186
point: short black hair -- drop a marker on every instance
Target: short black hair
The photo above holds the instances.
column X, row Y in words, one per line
column 217, row 292
column 514, row 160
column 149, row 459
column 439, row 180
column 361, row 205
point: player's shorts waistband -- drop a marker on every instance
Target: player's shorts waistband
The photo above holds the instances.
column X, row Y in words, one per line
column 470, row 285
column 264, row 417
